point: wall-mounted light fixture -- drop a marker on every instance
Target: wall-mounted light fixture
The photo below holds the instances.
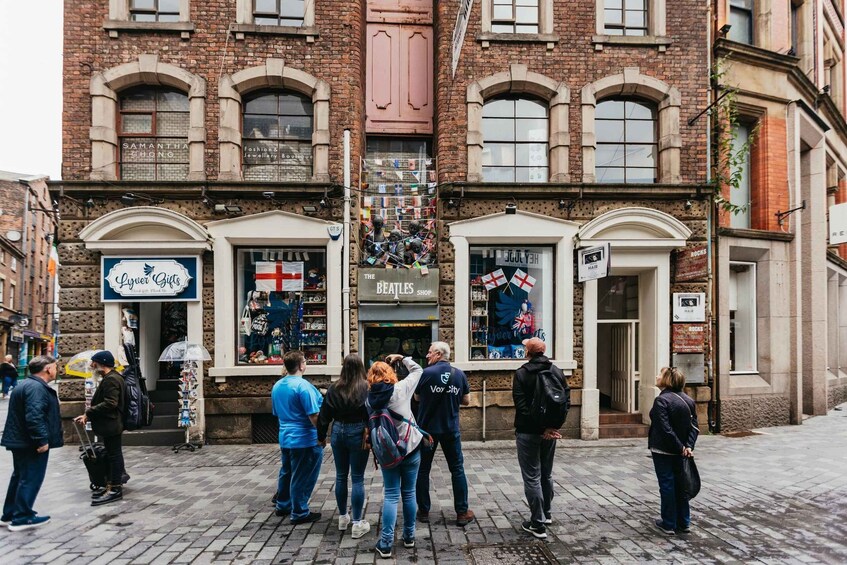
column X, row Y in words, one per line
column 131, row 198
column 228, row 209
column 724, row 30
column 511, row 208
column 310, row 209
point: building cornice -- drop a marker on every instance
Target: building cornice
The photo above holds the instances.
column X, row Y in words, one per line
column 281, row 190
column 571, row 191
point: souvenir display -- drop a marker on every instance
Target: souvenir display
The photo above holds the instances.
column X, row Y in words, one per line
column 398, row 212
column 188, row 395
column 507, row 287
column 284, row 305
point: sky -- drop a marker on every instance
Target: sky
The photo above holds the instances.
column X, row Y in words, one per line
column 31, row 87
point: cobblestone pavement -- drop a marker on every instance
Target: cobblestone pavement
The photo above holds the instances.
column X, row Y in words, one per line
column 778, row 497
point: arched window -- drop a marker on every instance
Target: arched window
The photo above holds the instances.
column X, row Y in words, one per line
column 515, row 140
column 627, row 151
column 153, row 134
column 277, row 136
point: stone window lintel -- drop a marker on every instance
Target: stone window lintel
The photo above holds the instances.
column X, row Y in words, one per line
column 241, row 30
column 116, row 26
column 486, row 38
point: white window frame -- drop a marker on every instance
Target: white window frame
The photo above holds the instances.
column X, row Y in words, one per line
column 14, row 265
column 742, row 195
column 119, row 20
column 12, row 292
column 657, row 34
column 545, row 26
column 245, row 24
column 753, row 332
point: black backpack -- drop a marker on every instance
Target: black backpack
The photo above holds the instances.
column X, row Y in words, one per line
column 552, row 399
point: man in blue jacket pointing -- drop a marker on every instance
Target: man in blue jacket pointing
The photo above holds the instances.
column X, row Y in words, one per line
column 33, row 428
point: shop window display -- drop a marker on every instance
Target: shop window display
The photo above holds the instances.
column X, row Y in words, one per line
column 282, row 304
column 511, row 299
column 398, row 186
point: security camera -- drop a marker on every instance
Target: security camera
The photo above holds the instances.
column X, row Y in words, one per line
column 268, row 194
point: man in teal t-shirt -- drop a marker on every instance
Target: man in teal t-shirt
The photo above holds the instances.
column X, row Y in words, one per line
column 296, row 402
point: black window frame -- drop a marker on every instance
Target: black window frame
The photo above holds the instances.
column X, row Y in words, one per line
column 624, row 142
column 157, row 14
column 622, row 29
column 500, row 25
column 282, row 20
column 514, row 141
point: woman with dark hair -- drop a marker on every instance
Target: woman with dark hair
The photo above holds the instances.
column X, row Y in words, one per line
column 400, row 481
column 344, row 406
column 673, row 433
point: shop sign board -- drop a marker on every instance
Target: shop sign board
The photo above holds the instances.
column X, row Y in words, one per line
column 692, row 264
column 838, row 224
column 17, row 335
column 398, row 285
column 689, row 307
column 163, row 279
column 689, row 338
column 593, row 262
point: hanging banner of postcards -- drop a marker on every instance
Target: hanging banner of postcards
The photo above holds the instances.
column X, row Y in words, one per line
column 398, row 213
column 188, row 395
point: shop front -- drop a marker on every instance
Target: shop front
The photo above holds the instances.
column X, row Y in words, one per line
column 150, row 286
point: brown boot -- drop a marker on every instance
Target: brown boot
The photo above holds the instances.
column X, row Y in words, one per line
column 465, row 518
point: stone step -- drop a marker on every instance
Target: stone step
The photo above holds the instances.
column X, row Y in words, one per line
column 153, row 437
column 165, row 408
column 163, row 421
column 159, row 395
column 618, row 431
column 619, row 418
column 167, row 384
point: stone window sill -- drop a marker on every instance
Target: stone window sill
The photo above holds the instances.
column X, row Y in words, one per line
column 487, row 38
column 506, row 365
column 185, row 29
column 221, row 374
column 660, row 42
column 240, row 30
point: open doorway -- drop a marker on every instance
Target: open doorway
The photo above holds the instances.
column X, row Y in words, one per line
column 151, row 327
column 618, row 343
column 408, row 338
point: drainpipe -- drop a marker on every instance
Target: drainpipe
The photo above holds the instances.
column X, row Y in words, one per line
column 345, row 266
column 483, row 408
column 712, row 363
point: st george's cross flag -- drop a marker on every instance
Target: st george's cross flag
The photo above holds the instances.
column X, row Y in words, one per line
column 522, row 280
column 279, row 276
column 494, row 279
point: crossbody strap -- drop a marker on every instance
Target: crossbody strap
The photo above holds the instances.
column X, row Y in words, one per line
column 691, row 412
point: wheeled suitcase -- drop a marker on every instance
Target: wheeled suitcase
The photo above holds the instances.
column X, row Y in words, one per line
column 94, row 457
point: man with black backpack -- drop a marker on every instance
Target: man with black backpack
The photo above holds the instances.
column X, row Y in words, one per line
column 542, row 399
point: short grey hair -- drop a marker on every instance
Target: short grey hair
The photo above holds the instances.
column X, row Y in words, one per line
column 38, row 364
column 443, row 348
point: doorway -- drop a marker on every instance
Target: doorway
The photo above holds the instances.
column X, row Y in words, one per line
column 407, row 338
column 151, row 327
column 618, row 343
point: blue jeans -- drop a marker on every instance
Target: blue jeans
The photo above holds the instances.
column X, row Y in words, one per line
column 297, row 478
column 401, row 478
column 28, row 470
column 351, row 459
column 451, row 446
column 8, row 383
column 676, row 513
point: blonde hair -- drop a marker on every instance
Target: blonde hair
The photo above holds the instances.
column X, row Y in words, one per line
column 672, row 378
column 381, row 372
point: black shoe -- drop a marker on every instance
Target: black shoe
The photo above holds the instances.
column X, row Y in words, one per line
column 684, row 530
column 423, row 517
column 275, row 498
column 109, row 496
column 125, row 478
column 281, row 513
column 409, row 543
column 97, row 493
column 384, row 552
column 537, row 530
column 660, row 526
column 312, row 517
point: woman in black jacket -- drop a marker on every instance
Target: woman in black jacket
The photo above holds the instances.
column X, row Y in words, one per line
column 345, row 406
column 673, row 433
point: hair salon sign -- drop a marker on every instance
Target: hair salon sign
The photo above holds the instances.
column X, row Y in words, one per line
column 162, row 279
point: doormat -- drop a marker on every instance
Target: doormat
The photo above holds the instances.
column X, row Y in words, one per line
column 741, row 433
column 512, row 554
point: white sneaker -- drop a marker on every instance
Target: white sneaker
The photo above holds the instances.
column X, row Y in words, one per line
column 343, row 522
column 360, row 528
column 547, row 520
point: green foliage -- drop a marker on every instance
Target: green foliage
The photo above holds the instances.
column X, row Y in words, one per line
column 728, row 158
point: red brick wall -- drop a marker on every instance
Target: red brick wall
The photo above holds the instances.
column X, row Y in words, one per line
column 335, row 56
column 574, row 61
column 769, row 175
column 841, row 198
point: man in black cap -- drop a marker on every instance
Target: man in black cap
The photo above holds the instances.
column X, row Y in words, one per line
column 106, row 419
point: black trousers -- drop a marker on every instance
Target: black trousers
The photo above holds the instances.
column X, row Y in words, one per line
column 115, row 454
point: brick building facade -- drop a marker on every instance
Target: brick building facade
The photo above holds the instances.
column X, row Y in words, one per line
column 209, row 140
column 780, row 285
column 28, row 309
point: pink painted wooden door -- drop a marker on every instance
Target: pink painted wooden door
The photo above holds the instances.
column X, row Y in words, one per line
column 399, row 79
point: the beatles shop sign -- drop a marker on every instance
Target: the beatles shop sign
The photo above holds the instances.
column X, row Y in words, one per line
column 159, row 279
column 398, row 285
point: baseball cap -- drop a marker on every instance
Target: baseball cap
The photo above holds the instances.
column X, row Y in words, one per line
column 534, row 346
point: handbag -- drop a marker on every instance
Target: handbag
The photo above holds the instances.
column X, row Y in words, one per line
column 244, row 324
column 690, row 474
column 690, row 478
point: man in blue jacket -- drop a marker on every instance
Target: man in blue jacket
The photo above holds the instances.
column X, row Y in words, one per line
column 33, row 427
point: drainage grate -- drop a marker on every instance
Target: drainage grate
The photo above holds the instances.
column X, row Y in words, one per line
column 512, row 554
column 265, row 428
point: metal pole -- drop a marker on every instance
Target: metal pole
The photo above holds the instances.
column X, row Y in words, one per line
column 483, row 408
column 345, row 267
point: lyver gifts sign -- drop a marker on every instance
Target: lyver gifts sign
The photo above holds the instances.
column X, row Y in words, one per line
column 149, row 278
